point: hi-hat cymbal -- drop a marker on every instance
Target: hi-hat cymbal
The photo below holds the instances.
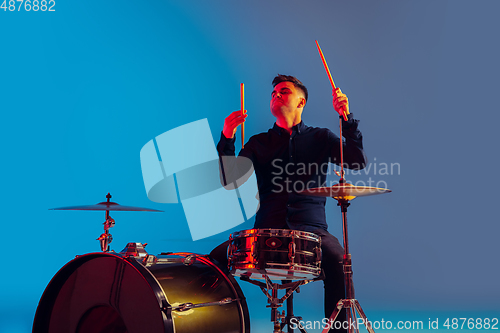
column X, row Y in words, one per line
column 344, row 191
column 108, row 206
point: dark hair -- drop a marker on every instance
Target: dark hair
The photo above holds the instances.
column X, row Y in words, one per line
column 288, row 78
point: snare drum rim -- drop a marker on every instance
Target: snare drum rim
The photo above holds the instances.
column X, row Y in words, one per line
column 276, row 233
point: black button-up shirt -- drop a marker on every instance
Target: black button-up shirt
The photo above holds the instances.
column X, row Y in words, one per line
column 287, row 163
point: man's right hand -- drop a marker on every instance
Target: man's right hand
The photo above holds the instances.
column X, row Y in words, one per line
column 232, row 122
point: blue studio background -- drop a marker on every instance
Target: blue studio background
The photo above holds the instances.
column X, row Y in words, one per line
column 84, row 88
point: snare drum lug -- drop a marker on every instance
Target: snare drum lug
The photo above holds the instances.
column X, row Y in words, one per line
column 255, row 253
column 317, row 251
column 230, row 251
column 291, row 251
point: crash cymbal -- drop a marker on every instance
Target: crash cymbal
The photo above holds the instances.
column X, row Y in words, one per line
column 108, row 206
column 344, row 191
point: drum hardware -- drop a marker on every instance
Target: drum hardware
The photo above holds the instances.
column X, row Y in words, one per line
column 343, row 193
column 136, row 251
column 255, row 252
column 185, row 258
column 270, row 289
column 105, row 238
column 289, row 311
column 291, row 251
column 189, row 260
column 276, row 254
column 189, row 306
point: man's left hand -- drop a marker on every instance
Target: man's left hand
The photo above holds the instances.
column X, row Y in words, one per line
column 340, row 102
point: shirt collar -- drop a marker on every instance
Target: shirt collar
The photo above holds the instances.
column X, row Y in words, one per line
column 297, row 129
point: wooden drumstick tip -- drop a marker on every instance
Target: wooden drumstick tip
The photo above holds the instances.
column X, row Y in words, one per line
column 328, row 73
column 242, row 97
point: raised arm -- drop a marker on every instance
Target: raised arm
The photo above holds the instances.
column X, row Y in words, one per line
column 354, row 156
column 233, row 168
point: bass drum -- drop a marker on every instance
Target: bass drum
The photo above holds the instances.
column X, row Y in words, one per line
column 113, row 293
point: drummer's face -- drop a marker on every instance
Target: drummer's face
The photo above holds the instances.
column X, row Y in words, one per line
column 286, row 98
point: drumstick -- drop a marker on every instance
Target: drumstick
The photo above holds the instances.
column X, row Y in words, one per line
column 242, row 102
column 329, row 74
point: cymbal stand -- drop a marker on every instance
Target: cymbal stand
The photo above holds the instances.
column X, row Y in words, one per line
column 279, row 319
column 105, row 239
column 351, row 304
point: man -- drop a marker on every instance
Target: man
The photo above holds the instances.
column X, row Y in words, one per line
column 290, row 157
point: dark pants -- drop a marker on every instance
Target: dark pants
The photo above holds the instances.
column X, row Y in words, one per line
column 331, row 264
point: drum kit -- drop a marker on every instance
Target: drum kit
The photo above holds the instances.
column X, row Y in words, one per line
column 133, row 291
column 136, row 292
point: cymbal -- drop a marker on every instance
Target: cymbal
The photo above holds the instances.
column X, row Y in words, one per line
column 344, row 191
column 108, row 206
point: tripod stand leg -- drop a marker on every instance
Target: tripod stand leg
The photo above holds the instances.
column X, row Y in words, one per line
column 289, row 312
column 335, row 313
column 302, row 329
column 354, row 318
column 350, row 317
column 358, row 308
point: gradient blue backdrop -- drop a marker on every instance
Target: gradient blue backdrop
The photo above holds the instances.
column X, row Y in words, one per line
column 83, row 88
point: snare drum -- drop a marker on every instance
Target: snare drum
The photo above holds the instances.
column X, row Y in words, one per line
column 119, row 293
column 281, row 254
